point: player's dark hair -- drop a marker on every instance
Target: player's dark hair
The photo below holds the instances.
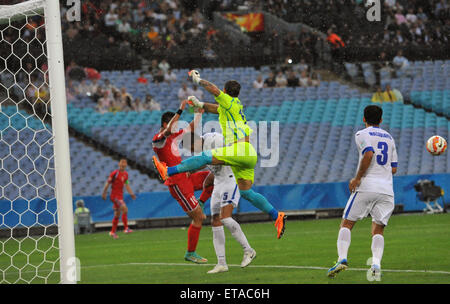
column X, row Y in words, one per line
column 166, row 117
column 232, row 88
column 373, row 114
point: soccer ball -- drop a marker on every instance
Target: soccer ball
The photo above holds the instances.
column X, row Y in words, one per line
column 436, row 145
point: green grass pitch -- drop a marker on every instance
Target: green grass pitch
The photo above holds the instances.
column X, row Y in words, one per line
column 417, row 251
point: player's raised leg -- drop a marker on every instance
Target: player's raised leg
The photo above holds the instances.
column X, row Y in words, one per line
column 259, row 201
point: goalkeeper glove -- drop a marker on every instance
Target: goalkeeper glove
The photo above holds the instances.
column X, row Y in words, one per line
column 195, row 76
column 193, row 101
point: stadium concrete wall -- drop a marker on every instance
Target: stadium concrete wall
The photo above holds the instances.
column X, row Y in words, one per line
column 39, row 212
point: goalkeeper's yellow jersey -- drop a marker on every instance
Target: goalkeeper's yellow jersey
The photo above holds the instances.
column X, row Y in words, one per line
column 231, row 118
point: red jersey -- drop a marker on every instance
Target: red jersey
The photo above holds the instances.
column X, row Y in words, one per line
column 166, row 148
column 117, row 179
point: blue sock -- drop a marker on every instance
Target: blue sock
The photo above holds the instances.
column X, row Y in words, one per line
column 260, row 202
column 191, row 164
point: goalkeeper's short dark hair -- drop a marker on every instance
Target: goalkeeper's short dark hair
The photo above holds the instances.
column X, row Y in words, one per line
column 373, row 114
column 232, row 88
column 166, row 117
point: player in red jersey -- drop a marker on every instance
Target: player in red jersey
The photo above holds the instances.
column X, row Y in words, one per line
column 183, row 185
column 117, row 179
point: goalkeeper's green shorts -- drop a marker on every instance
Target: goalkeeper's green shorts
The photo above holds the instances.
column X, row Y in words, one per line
column 241, row 157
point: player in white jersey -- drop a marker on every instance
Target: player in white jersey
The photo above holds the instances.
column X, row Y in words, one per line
column 224, row 199
column 371, row 190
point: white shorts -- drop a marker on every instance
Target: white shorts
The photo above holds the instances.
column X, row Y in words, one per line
column 224, row 194
column 360, row 204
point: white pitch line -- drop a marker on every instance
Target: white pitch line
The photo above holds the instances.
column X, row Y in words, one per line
column 270, row 266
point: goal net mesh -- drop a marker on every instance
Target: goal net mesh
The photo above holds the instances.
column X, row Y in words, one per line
column 29, row 250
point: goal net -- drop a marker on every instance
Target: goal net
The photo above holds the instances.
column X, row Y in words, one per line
column 36, row 221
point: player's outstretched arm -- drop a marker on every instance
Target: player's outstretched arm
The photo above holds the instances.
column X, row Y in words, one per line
column 208, row 86
column 172, row 123
column 222, row 99
column 208, row 107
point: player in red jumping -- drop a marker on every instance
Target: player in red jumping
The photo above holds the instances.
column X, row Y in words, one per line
column 182, row 186
column 117, row 179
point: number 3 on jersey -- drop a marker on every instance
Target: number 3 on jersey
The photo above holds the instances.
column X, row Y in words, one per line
column 383, row 158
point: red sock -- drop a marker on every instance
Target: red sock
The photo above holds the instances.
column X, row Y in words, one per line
column 193, row 235
column 115, row 222
column 206, row 194
column 125, row 221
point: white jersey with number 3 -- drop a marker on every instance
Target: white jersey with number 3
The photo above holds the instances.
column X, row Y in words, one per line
column 378, row 177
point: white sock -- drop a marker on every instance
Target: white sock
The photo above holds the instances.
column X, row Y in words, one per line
column 343, row 242
column 377, row 249
column 219, row 244
column 236, row 232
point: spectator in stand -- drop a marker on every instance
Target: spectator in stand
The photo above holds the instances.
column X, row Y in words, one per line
column 302, row 66
column 400, row 63
column 142, row 79
column 389, row 95
column 124, row 94
column 197, row 92
column 315, row 81
column 400, row 18
column 138, row 106
column 184, row 92
column 75, row 72
column 151, row 104
column 270, row 81
column 92, row 88
column 110, row 19
column 108, row 86
column 117, row 102
column 97, row 94
column 104, row 103
column 411, row 18
column 164, row 66
column 209, row 54
column 304, row 80
column 83, row 88
column 280, row 80
column 258, row 83
column 378, row 95
column 292, row 79
column 336, row 45
column 154, row 69
column 128, row 104
column 159, row 77
column 170, row 76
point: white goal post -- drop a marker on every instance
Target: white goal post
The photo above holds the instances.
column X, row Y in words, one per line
column 32, row 183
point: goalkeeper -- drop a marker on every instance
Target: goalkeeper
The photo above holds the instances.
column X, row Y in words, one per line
column 238, row 153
